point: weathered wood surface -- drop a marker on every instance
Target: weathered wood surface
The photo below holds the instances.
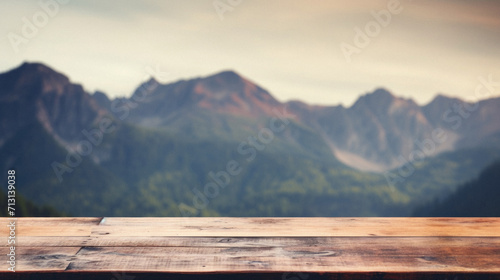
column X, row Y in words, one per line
column 322, row 247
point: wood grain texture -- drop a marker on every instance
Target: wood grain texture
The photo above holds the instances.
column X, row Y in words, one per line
column 295, row 227
column 41, row 258
column 50, row 226
column 335, row 247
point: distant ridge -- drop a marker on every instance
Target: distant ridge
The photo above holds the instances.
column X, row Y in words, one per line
column 378, row 132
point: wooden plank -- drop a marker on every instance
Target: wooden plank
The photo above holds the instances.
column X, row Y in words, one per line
column 257, row 227
column 224, row 246
column 50, row 226
column 53, row 231
column 366, row 254
column 432, row 243
column 40, row 258
column 50, row 241
column 283, row 254
column 280, row 221
column 244, row 259
column 295, row 227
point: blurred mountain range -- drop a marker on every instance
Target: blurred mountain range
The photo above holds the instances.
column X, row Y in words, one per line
column 223, row 145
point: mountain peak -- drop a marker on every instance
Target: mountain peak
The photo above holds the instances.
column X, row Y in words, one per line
column 226, row 79
column 35, row 66
column 379, row 94
column 49, row 99
column 227, row 91
column 40, row 69
column 379, row 97
column 33, row 75
column 382, row 92
column 441, row 98
column 227, row 75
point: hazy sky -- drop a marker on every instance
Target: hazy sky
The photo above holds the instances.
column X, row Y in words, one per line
column 292, row 48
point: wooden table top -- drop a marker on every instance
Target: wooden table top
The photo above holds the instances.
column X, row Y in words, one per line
column 368, row 247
